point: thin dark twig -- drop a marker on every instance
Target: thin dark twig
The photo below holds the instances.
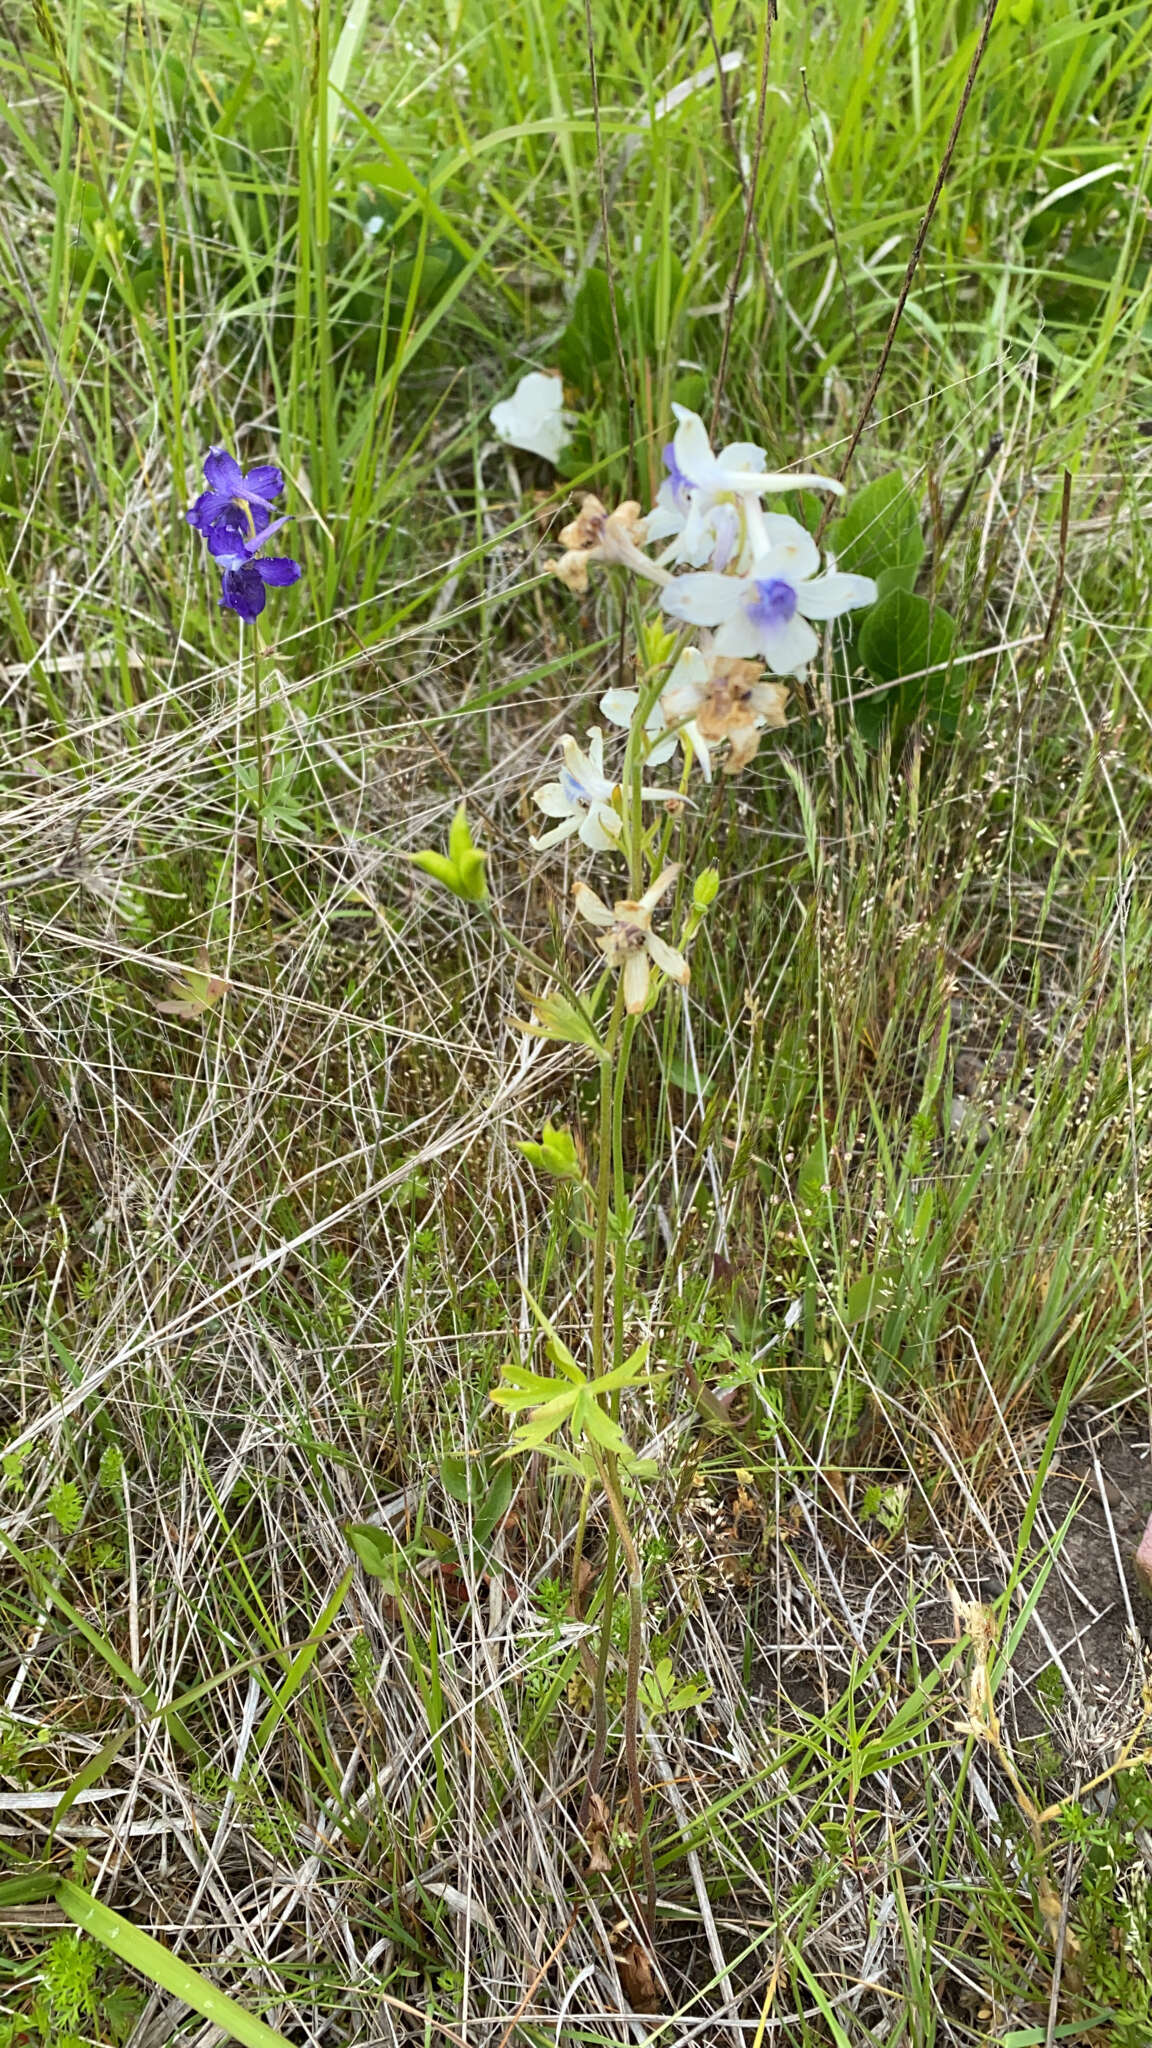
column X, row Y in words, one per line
column 1061, row 559
column 772, row 292
column 840, row 270
column 865, row 413
column 949, row 525
column 995, row 444
column 609, row 267
column 749, row 211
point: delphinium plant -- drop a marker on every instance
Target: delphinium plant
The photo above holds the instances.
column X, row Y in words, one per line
column 235, row 516
column 726, row 599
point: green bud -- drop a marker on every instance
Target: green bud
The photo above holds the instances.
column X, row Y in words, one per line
column 657, row 643
column 462, row 869
column 555, row 1153
column 705, row 889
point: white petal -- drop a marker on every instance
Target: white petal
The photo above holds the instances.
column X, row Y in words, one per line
column 692, row 448
column 554, row 837
column 663, row 520
column 704, row 600
column 590, row 906
column 789, row 480
column 553, row 800
column 827, row 596
column 661, row 750
column 597, row 834
column 696, row 748
column 619, row 706
column 740, row 636
column 635, row 983
column 668, row 960
column 792, row 552
column 786, row 649
column 534, row 417
column 659, row 887
column 739, row 457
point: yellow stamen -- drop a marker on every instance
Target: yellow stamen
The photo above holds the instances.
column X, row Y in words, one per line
column 246, row 509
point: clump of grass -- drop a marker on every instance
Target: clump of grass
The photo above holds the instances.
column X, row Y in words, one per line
column 264, row 1263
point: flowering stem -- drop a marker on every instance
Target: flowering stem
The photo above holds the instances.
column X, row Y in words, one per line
column 604, row 1176
column 610, row 1477
column 258, row 730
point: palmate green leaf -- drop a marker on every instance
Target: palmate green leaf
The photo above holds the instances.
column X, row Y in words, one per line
column 557, row 1349
column 520, row 1387
column 595, row 1422
column 157, row 1963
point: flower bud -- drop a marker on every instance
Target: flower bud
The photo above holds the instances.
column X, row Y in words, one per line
column 555, row 1153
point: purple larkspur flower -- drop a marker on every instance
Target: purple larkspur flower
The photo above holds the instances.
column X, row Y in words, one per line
column 245, row 573
column 241, row 500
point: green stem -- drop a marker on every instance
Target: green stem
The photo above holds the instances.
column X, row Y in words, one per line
column 258, row 729
column 611, row 1480
column 604, row 1176
column 604, row 1184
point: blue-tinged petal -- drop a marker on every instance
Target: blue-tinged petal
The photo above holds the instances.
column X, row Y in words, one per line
column 278, row 569
column 228, row 541
column 265, row 482
column 243, row 592
column 223, row 473
column 209, row 506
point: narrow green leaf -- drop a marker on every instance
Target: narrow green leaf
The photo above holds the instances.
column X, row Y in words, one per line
column 304, row 1659
column 163, row 1969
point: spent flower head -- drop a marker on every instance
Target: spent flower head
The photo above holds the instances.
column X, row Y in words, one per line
column 723, row 699
column 597, row 535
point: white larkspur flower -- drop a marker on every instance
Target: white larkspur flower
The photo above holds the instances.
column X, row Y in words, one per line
column 534, row 418
column 582, row 799
column 726, row 699
column 764, row 615
column 628, row 941
column 708, row 506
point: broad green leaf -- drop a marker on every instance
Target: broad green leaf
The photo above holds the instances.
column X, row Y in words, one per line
column 376, row 1548
column 587, row 350
column 497, row 1502
column 162, row 1968
column 901, row 636
column 880, row 530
